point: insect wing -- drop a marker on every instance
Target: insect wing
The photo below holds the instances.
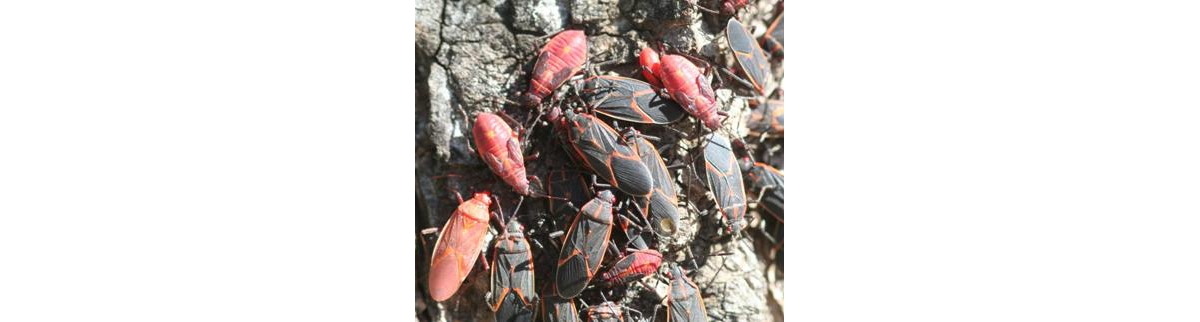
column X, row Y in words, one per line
column 776, row 30
column 725, row 180
column 583, row 248
column 630, row 100
column 749, row 55
column 600, row 148
column 512, row 273
column 454, row 254
column 767, row 177
column 514, row 309
column 684, row 304
column 767, row 119
column 558, row 309
column 664, row 215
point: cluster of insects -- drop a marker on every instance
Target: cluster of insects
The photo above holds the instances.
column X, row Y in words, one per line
column 611, row 183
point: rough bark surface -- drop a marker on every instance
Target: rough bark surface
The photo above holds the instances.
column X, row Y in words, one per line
column 472, row 55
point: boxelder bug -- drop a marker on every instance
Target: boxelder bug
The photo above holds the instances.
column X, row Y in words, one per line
column 725, row 181
column 512, row 296
column 682, row 80
column 584, row 245
column 660, row 205
column 630, row 100
column 638, row 264
column 498, row 147
column 458, row 246
column 768, row 181
column 602, row 150
column 560, row 58
column 772, row 41
column 767, row 119
column 558, row 309
column 750, row 56
column 605, row 312
column 684, row 302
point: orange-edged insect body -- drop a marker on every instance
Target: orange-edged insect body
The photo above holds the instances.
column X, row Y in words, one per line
column 684, row 303
column 725, row 181
column 767, row 119
column 500, row 149
column 563, row 56
column 750, row 57
column 584, row 245
column 630, row 100
column 558, row 309
column 602, row 150
column 660, row 206
column 772, row 41
column 767, row 182
column 458, row 246
column 512, row 297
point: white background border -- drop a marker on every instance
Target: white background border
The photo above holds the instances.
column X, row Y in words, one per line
column 250, row 160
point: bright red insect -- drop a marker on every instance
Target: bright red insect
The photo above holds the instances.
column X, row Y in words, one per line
column 499, row 148
column 648, row 58
column 686, row 85
column 458, row 246
column 636, row 265
column 560, row 58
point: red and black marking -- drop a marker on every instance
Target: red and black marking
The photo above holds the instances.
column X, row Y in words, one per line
column 725, row 181
column 772, row 41
column 684, row 303
column 768, row 182
column 600, row 148
column 767, row 119
column 558, row 309
column 634, row 266
column 584, row 245
column 630, row 100
column 750, row 57
column 660, row 207
column 512, row 297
